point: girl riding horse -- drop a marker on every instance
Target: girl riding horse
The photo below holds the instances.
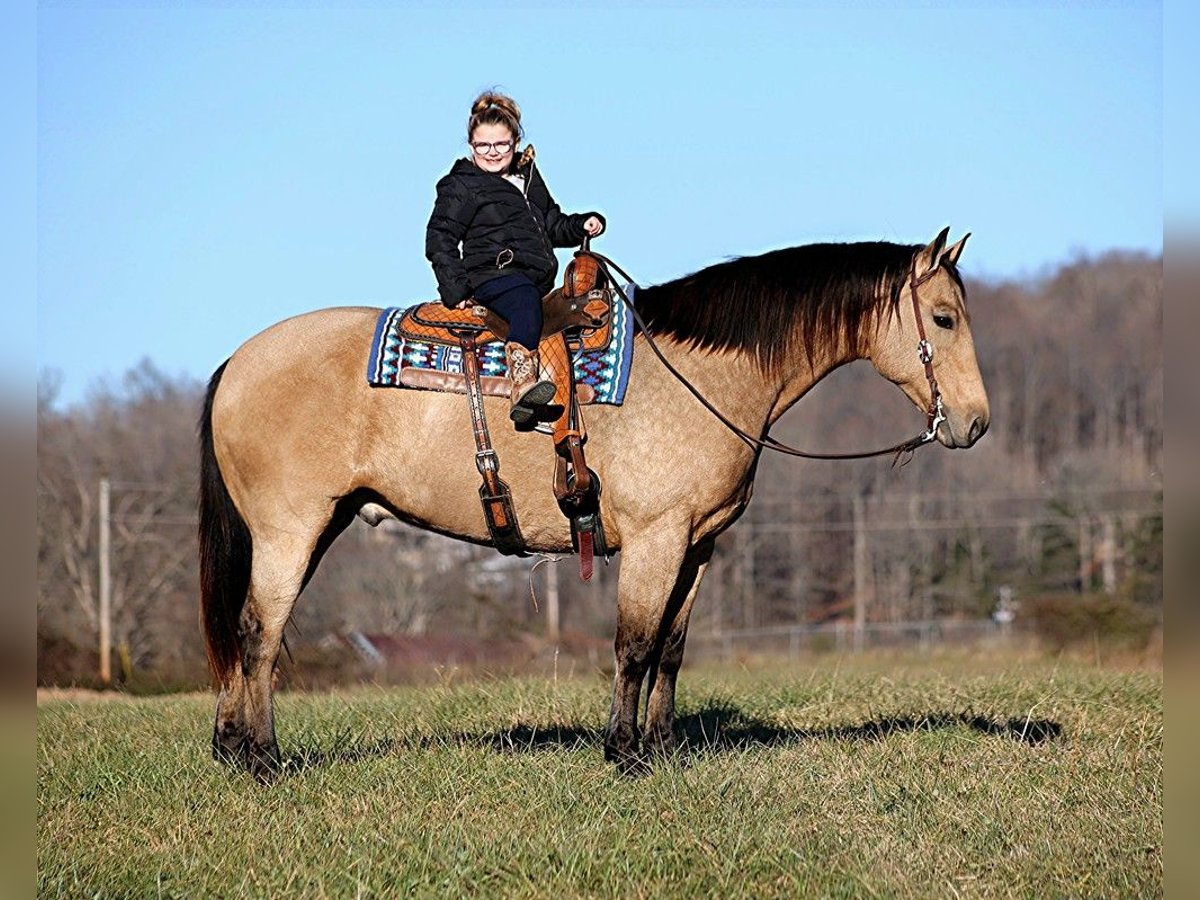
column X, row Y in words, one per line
column 498, row 207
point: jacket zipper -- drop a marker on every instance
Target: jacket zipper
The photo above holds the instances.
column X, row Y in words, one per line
column 525, row 196
column 541, row 229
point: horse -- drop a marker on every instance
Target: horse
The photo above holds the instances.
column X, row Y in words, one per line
column 295, row 444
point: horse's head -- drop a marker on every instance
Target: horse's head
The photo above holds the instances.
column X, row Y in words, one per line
column 895, row 352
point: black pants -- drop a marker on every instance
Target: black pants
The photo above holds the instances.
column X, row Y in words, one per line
column 516, row 300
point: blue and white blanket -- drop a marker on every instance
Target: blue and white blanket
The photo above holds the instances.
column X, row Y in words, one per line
column 605, row 371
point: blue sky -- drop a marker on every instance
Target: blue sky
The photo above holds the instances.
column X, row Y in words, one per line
column 204, row 171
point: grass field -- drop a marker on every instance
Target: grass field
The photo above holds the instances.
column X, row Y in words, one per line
column 885, row 776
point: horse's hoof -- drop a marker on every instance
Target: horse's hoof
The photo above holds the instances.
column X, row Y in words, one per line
column 615, row 753
column 661, row 745
column 263, row 763
column 229, row 745
column 623, row 750
column 226, row 756
column 634, row 766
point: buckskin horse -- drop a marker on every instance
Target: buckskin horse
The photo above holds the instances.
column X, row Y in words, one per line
column 294, row 444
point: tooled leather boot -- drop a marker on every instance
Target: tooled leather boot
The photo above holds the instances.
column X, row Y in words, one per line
column 527, row 392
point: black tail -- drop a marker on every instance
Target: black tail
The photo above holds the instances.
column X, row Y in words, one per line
column 225, row 553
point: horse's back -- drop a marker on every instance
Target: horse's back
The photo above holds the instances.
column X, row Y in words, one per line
column 310, row 336
column 318, row 352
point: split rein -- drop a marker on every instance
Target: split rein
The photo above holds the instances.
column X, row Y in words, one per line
column 901, row 452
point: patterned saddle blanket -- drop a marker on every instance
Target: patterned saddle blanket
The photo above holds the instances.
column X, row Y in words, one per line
column 401, row 360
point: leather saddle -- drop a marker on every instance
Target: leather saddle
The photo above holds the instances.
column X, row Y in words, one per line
column 576, row 316
column 581, row 307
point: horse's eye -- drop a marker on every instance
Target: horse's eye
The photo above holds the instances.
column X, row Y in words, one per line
column 943, row 321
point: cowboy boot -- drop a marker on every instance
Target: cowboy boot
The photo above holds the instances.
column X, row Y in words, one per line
column 527, row 392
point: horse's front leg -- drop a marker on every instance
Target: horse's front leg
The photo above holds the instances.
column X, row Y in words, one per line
column 650, row 567
column 660, row 707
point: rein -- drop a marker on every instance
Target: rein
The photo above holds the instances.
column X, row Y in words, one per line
column 934, row 415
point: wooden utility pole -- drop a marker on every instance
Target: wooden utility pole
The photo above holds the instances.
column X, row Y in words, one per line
column 861, row 571
column 105, row 584
column 797, row 589
column 1085, row 555
column 1108, row 554
column 552, row 627
column 748, row 595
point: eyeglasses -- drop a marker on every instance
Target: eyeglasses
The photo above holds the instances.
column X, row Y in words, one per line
column 483, row 148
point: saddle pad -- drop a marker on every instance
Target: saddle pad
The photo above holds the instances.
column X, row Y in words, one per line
column 605, row 371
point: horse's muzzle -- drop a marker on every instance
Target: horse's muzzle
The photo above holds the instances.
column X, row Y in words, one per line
column 958, row 434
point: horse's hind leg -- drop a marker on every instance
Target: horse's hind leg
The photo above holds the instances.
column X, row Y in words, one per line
column 245, row 723
column 660, row 706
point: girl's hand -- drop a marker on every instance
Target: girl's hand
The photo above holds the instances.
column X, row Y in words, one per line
column 593, row 226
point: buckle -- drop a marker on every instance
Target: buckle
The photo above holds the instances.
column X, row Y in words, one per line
column 486, row 461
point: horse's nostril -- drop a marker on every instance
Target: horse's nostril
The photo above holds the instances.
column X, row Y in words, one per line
column 978, row 427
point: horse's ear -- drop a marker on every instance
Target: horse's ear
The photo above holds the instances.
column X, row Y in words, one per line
column 952, row 254
column 928, row 258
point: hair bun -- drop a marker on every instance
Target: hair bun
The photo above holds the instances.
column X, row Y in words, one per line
column 494, row 108
column 495, row 99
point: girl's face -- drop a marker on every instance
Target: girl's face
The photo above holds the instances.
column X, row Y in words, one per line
column 492, row 147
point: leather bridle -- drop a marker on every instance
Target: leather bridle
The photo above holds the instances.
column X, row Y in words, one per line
column 902, row 452
column 935, row 415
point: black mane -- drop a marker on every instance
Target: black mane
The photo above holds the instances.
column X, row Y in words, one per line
column 754, row 303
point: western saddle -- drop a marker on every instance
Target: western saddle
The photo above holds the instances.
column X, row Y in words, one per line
column 576, row 316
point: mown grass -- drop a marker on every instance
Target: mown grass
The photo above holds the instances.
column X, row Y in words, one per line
column 902, row 777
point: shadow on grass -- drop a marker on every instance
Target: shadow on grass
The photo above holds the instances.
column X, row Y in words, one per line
column 718, row 728
column 723, row 729
column 345, row 752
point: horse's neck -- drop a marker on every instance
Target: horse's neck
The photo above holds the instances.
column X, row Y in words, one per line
column 802, row 376
column 735, row 384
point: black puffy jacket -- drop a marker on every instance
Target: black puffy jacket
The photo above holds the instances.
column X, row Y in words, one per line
column 490, row 216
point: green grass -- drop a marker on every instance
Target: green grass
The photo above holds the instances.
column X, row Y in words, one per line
column 898, row 777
